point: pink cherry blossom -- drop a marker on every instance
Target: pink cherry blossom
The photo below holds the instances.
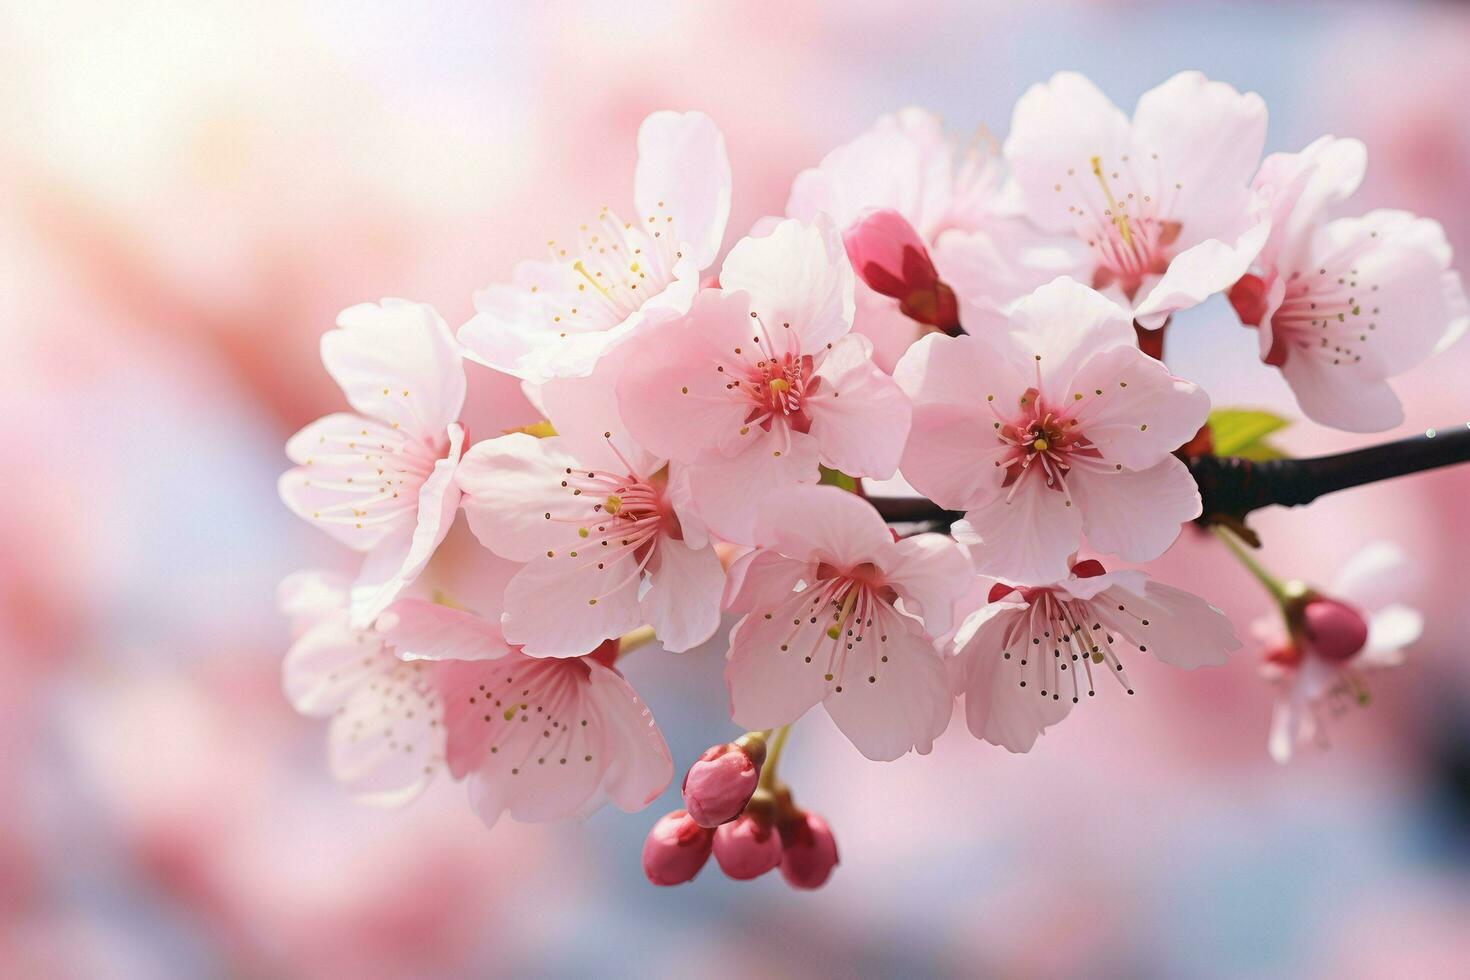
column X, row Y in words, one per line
column 594, row 517
column 1318, row 668
column 1030, row 653
column 562, row 313
column 1342, row 305
column 838, row 612
column 1066, row 429
column 539, row 738
column 386, row 738
column 951, row 193
column 382, row 481
column 762, row 380
column 1161, row 202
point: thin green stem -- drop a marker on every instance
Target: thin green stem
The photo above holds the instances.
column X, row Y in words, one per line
column 1270, row 582
column 773, row 757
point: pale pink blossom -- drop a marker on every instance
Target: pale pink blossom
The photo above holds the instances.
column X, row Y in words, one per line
column 606, row 529
column 1161, row 202
column 1030, row 653
column 1342, row 305
column 1063, row 428
column 386, row 737
column 562, row 313
column 953, row 196
column 1353, row 628
column 538, row 738
column 839, row 613
column 381, row 481
column 762, row 380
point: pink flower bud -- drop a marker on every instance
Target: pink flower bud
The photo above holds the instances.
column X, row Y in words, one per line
column 808, row 851
column 676, row 849
column 721, row 782
column 747, row 847
column 1336, row 630
column 891, row 258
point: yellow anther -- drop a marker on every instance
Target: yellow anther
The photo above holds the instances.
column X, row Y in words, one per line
column 612, row 504
column 1040, row 445
column 779, row 385
column 1119, row 219
column 586, row 275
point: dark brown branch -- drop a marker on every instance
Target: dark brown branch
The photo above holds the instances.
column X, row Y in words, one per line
column 1232, row 488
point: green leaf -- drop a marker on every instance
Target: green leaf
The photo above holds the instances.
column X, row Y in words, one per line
column 1242, row 432
column 837, row 478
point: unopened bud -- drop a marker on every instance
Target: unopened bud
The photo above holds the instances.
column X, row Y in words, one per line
column 808, row 850
column 889, row 255
column 1335, row 630
column 721, row 781
column 675, row 850
column 747, row 847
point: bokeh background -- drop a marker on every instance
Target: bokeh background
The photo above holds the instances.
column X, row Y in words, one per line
column 190, row 190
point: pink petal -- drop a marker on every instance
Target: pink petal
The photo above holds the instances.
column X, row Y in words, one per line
column 899, row 706
column 731, row 493
column 510, row 484
column 386, row 744
column 797, row 275
column 684, row 174
column 419, row 629
column 824, row 524
column 326, row 665
column 860, row 417
column 997, row 709
column 1026, row 538
column 682, row 603
column 397, row 362
column 1057, row 329
column 1183, row 630
column 1201, row 271
column 400, row 559
column 549, row 605
column 1056, row 129
column 771, row 686
column 639, row 766
column 309, row 596
column 341, row 486
column 674, row 400
column 1374, row 575
column 584, row 412
column 762, row 579
column 930, row 573
column 1329, row 396
column 1143, row 412
column 1135, row 514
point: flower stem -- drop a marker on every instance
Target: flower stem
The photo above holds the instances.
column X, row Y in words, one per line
column 1272, row 584
column 634, row 639
column 773, row 757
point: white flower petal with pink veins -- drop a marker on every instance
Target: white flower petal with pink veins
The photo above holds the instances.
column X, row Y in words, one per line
column 759, row 381
column 837, row 612
column 590, row 533
column 1312, row 689
column 1162, row 202
column 562, row 314
column 1034, row 651
column 386, row 737
column 1064, row 428
column 949, row 189
column 382, row 481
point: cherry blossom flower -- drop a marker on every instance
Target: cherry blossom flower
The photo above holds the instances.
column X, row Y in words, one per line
column 562, row 313
column 539, row 738
column 951, row 195
column 1162, row 202
column 838, row 612
column 1343, row 305
column 1067, row 428
column 1319, row 665
column 381, row 481
column 1031, row 652
column 386, row 738
column 595, row 518
column 762, row 379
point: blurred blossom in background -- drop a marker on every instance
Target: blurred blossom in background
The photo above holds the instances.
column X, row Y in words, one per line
column 189, row 192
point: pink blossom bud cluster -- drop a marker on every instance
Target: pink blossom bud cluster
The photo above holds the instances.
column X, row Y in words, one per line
column 660, row 441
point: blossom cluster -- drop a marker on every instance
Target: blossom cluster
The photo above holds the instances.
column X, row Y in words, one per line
column 679, row 444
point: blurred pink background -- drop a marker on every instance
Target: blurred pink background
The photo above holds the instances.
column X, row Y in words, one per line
column 188, row 194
